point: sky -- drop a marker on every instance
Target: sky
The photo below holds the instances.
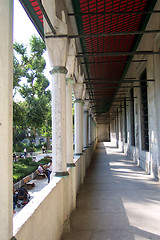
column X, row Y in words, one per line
column 23, row 29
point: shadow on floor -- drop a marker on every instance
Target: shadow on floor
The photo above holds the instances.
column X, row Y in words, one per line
column 116, row 202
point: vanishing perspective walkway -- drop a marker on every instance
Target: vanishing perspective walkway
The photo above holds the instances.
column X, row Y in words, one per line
column 118, row 201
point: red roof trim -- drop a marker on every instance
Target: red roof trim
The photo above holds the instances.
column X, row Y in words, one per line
column 37, row 10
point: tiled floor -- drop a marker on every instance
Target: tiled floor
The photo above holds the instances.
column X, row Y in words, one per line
column 118, row 201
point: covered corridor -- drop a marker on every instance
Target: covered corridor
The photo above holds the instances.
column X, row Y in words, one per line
column 107, row 54
column 118, row 201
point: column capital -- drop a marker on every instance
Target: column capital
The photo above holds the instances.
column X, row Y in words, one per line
column 58, row 69
column 70, row 81
column 86, row 105
column 79, row 100
column 84, row 91
column 70, row 64
column 92, row 115
column 78, row 90
column 90, row 112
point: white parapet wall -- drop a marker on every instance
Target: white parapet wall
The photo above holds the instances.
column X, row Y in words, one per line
column 44, row 216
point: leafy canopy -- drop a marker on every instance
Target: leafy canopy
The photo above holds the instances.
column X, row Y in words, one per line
column 34, row 111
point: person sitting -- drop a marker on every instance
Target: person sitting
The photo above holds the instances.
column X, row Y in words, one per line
column 15, row 200
column 22, row 155
column 14, row 157
column 40, row 168
column 47, row 171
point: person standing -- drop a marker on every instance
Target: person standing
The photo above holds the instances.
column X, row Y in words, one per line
column 43, row 149
column 49, row 170
column 25, row 152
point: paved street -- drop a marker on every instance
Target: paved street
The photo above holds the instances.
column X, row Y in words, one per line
column 39, row 156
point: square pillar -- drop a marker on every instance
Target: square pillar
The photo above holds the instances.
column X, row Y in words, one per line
column 6, row 119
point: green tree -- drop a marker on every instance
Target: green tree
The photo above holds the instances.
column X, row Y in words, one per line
column 29, row 81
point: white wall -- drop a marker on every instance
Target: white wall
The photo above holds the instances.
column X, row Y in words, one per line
column 103, row 132
column 45, row 215
column 148, row 160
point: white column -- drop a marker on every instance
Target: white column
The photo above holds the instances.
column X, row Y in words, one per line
column 82, row 123
column 78, row 106
column 58, row 52
column 69, row 122
column 90, row 128
column 85, row 125
column 6, row 116
column 93, row 135
column 59, row 120
column 95, row 127
column 78, row 125
column 93, row 130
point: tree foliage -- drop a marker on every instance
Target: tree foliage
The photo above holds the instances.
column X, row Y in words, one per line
column 34, row 111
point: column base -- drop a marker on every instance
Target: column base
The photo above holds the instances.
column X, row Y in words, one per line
column 71, row 165
column 78, row 154
column 61, row 174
